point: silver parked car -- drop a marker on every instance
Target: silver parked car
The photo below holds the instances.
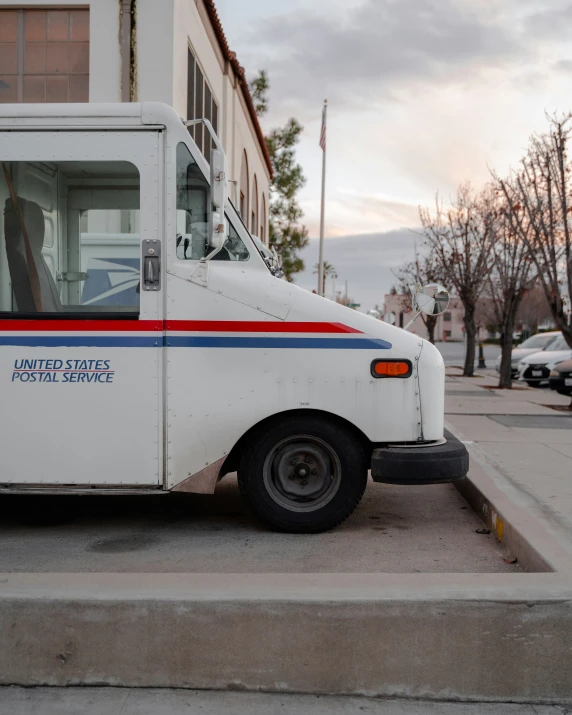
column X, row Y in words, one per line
column 527, row 347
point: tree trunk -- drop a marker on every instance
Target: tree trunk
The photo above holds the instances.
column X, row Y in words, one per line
column 431, row 324
column 505, row 378
column 470, row 332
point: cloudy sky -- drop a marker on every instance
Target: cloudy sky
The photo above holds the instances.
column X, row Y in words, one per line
column 423, row 94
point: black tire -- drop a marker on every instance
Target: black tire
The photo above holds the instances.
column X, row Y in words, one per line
column 532, row 384
column 273, row 474
column 565, row 391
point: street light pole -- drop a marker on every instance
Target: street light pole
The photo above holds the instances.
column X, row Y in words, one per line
column 323, row 206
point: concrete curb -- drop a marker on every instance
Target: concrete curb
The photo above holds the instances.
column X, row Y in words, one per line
column 517, row 520
column 439, row 636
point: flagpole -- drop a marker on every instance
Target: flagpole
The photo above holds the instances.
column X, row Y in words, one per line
column 322, row 210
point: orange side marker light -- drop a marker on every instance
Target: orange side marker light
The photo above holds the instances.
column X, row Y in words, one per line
column 391, row 368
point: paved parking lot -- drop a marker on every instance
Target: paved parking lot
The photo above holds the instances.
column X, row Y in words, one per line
column 394, row 530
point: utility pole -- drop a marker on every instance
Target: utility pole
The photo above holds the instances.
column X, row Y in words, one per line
column 322, row 211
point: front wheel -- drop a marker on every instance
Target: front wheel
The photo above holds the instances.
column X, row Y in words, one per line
column 304, row 475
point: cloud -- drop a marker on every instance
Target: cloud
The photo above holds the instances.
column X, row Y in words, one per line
column 368, row 54
column 364, row 261
column 552, row 21
column 383, row 209
column 563, row 66
column 349, row 212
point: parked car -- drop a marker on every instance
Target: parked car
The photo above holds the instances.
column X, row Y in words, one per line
column 527, row 347
column 535, row 369
column 561, row 378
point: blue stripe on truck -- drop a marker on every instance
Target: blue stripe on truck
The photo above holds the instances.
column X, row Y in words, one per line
column 193, row 341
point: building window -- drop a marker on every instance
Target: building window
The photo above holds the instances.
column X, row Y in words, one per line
column 447, row 317
column 201, row 104
column 400, row 320
column 263, row 220
column 44, row 55
column 244, row 189
column 254, row 216
column 446, row 334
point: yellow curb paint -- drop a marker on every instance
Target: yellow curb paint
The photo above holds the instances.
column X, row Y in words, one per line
column 498, row 525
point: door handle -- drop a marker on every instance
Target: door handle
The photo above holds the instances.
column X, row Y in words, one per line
column 151, row 264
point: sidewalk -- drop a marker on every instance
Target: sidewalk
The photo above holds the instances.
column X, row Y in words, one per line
column 521, row 436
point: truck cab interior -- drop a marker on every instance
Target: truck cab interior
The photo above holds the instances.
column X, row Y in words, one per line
column 69, row 238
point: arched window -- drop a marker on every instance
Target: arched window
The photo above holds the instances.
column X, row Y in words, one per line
column 244, row 192
column 263, row 220
column 254, row 214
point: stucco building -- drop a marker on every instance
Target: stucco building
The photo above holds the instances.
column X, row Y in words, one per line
column 449, row 324
column 171, row 51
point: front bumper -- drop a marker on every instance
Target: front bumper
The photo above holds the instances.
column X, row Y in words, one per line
column 433, row 464
column 528, row 376
column 559, row 383
column 513, row 369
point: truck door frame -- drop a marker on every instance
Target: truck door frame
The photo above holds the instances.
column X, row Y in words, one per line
column 125, row 144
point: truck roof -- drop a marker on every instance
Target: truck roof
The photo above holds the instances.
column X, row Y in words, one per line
column 89, row 114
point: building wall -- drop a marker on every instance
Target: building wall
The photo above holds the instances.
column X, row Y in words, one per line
column 165, row 29
column 188, row 25
column 157, row 56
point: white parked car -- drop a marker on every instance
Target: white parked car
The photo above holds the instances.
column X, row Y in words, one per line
column 535, row 369
column 529, row 346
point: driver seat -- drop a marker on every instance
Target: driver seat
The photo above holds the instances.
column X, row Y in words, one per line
column 16, row 253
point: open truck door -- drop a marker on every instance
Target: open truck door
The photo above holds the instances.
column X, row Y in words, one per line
column 81, row 324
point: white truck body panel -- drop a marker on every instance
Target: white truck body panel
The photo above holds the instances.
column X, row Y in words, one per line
column 211, row 356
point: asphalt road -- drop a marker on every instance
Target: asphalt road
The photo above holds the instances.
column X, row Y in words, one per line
column 454, row 353
column 394, row 530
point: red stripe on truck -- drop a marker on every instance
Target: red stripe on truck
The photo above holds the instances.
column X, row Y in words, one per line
column 197, row 326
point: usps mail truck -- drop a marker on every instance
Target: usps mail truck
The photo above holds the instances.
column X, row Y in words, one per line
column 148, row 343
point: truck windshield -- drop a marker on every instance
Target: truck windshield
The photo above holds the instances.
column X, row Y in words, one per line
column 193, row 210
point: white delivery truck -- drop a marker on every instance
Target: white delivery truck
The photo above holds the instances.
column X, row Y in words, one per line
column 147, row 344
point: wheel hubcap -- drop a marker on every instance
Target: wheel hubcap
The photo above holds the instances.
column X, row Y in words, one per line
column 302, row 473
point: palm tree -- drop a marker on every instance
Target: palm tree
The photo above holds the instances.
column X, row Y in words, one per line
column 329, row 270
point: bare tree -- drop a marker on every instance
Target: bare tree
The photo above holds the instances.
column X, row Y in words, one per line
column 421, row 271
column 485, row 317
column 534, row 309
column 513, row 273
column 539, row 208
column 460, row 239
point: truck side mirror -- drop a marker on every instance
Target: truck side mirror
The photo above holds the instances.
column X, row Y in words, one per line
column 432, row 299
column 219, row 196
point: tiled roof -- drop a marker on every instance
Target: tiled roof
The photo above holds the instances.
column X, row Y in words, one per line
column 240, row 75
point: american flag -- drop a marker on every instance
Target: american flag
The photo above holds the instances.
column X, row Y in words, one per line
column 323, row 130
